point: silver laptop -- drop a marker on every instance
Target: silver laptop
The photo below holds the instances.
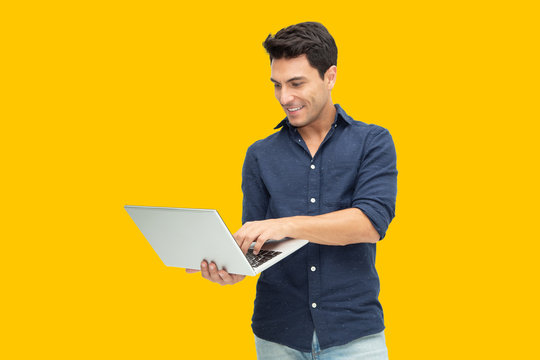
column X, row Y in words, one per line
column 185, row 237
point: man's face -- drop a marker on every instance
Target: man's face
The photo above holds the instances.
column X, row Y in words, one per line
column 300, row 90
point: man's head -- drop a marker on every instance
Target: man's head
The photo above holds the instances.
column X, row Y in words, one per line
column 309, row 38
column 303, row 59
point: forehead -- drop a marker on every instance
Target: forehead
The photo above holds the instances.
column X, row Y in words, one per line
column 284, row 69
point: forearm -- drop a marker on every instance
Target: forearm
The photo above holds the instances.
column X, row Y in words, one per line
column 343, row 227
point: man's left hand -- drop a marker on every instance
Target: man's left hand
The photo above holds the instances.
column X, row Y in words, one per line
column 261, row 231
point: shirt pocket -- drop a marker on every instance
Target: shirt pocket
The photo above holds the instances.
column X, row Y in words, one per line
column 339, row 181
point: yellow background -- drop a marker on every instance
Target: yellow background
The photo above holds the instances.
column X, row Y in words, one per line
column 155, row 103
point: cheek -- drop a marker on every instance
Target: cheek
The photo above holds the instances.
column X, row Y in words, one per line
column 313, row 99
column 319, row 97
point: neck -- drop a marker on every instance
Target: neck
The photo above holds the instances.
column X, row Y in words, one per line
column 317, row 130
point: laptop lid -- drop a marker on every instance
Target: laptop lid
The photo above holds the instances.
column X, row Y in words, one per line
column 183, row 237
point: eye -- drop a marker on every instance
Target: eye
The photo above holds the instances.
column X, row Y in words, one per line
column 296, row 84
column 277, row 86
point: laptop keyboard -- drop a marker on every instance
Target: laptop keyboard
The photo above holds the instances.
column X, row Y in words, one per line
column 261, row 258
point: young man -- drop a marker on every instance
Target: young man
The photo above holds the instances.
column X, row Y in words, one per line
column 331, row 180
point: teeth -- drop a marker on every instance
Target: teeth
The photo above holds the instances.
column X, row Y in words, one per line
column 295, row 109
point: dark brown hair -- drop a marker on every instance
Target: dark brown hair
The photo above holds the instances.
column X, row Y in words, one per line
column 310, row 38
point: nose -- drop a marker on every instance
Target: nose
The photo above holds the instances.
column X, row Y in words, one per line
column 285, row 96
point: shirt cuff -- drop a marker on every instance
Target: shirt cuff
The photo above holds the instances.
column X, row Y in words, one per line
column 376, row 219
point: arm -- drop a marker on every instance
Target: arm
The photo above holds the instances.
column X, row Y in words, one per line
column 343, row 227
column 373, row 206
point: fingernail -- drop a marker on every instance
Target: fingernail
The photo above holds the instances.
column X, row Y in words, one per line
column 203, row 264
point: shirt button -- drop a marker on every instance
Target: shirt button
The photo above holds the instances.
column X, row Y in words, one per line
column 314, row 305
column 313, row 268
column 312, row 200
column 312, row 167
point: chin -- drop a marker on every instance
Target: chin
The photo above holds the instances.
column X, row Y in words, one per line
column 301, row 125
column 298, row 121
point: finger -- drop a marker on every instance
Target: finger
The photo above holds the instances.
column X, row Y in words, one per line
column 230, row 279
column 239, row 236
column 226, row 277
column 259, row 243
column 240, row 239
column 245, row 246
column 214, row 274
column 237, row 278
column 204, row 270
column 244, row 241
column 242, row 235
column 192, row 271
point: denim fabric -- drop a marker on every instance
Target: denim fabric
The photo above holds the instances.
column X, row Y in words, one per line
column 371, row 347
column 333, row 289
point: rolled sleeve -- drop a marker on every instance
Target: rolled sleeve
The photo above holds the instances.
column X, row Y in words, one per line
column 376, row 185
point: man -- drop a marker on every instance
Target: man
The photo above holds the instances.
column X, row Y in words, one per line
column 331, row 180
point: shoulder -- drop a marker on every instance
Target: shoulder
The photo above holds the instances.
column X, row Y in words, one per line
column 361, row 128
column 368, row 133
column 366, row 139
column 267, row 144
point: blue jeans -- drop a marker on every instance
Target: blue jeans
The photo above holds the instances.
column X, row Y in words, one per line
column 371, row 347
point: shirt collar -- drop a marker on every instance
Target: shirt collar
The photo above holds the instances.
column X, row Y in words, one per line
column 340, row 113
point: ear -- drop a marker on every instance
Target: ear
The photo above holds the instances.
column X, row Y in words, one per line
column 330, row 77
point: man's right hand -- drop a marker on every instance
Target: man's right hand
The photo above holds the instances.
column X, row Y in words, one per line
column 222, row 277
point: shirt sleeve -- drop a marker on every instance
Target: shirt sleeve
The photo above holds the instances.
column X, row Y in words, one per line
column 376, row 186
column 255, row 203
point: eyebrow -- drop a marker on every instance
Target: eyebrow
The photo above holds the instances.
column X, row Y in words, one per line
column 296, row 78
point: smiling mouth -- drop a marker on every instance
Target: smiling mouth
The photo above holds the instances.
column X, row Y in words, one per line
column 294, row 109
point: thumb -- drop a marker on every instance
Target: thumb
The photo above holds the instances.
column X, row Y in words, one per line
column 192, row 271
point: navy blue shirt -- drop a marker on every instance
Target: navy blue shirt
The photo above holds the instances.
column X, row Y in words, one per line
column 331, row 289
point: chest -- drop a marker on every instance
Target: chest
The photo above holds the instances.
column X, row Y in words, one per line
column 303, row 184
